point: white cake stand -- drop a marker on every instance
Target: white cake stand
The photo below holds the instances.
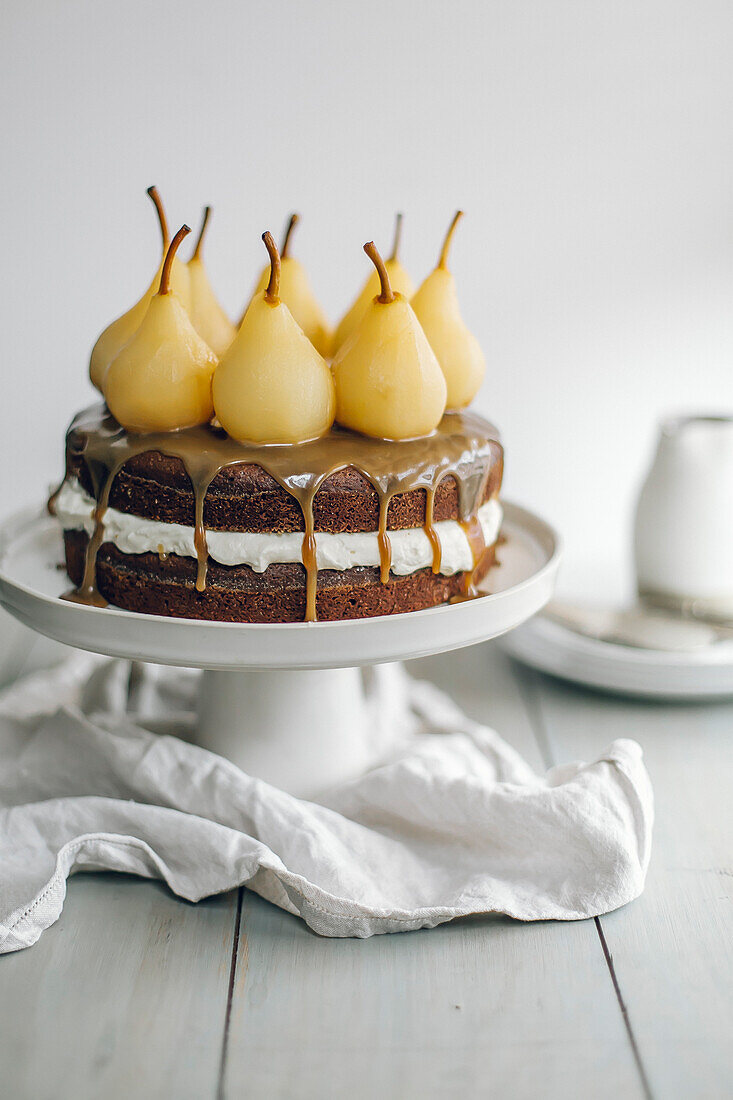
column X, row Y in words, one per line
column 284, row 702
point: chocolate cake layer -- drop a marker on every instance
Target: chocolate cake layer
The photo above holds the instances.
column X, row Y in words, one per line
column 246, row 498
column 145, row 583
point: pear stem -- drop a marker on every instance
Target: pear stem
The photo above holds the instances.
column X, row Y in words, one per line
column 272, row 293
column 204, row 222
column 153, row 192
column 165, row 275
column 443, row 261
column 387, row 294
column 294, row 219
column 397, row 238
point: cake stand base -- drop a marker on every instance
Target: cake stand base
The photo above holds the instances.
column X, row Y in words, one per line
column 302, row 731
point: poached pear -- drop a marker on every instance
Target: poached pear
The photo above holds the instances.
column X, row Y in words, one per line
column 116, row 335
column 161, row 379
column 399, row 280
column 209, row 319
column 272, row 386
column 296, row 293
column 457, row 349
column 388, row 382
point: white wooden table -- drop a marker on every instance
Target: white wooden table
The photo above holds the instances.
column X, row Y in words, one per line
column 137, row 994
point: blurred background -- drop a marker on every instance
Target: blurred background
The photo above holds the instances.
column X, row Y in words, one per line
column 589, row 143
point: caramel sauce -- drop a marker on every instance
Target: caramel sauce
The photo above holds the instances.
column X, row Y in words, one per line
column 51, row 502
column 385, row 546
column 485, row 562
column 474, row 533
column 463, row 445
column 430, row 529
column 199, row 542
column 475, row 536
column 311, row 575
column 309, row 555
column 87, row 592
column 161, row 552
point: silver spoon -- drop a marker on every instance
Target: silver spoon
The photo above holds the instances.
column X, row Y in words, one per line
column 636, row 627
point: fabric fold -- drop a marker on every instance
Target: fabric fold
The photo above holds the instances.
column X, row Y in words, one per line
column 450, row 822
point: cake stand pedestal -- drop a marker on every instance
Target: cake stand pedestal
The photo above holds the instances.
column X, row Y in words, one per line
column 302, row 730
column 284, row 702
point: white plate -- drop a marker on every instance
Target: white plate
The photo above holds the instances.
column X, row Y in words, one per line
column 705, row 673
column 31, row 583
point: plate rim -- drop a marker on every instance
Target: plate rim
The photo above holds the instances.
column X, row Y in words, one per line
column 612, row 667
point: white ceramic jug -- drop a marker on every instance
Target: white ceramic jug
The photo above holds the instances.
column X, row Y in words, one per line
column 683, row 533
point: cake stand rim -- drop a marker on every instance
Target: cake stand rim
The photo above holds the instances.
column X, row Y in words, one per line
column 28, row 604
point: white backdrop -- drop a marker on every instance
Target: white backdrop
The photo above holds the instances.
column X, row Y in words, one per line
column 590, row 144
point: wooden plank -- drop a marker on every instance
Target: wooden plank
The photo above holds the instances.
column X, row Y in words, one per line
column 485, row 682
column 125, row 996
column 673, row 948
column 486, row 1006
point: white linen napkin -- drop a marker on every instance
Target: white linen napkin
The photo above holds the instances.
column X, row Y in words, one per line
column 452, row 822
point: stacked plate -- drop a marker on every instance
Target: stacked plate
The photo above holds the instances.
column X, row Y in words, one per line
column 697, row 664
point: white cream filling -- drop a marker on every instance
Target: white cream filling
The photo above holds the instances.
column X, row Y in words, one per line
column 411, row 549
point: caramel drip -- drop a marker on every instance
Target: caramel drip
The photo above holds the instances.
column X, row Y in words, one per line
column 475, row 535
column 51, row 502
column 88, row 592
column 430, row 531
column 310, row 562
column 463, row 446
column 483, row 565
column 199, row 539
column 162, row 555
column 479, row 552
column 385, row 546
